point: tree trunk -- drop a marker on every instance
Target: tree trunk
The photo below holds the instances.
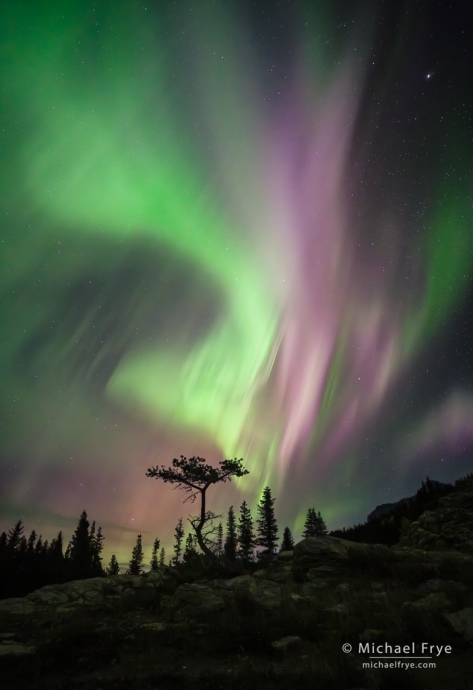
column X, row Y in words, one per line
column 199, row 527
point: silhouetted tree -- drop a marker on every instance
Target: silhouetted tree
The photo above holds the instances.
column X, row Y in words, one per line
column 245, row 534
column 178, row 537
column 194, row 476
column 162, row 556
column 96, row 545
column 32, row 541
column 154, row 555
column 230, row 545
column 113, row 567
column 287, row 540
column 314, row 525
column 14, row 535
column 219, row 541
column 190, row 551
column 135, row 565
column 267, row 529
column 81, row 551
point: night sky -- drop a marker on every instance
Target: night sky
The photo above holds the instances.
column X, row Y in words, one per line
column 233, row 229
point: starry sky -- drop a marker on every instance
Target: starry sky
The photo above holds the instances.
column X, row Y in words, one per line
column 233, row 229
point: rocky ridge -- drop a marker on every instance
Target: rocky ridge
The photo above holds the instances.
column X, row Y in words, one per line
column 327, row 588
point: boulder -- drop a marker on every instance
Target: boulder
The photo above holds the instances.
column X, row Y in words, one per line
column 286, row 643
column 13, row 649
column 437, row 585
column 17, row 606
column 462, row 623
column 193, row 600
column 285, row 556
column 321, row 556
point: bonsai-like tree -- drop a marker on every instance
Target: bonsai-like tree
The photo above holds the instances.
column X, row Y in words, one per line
column 195, row 476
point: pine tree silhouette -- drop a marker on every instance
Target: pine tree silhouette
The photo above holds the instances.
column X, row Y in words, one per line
column 135, row 566
column 81, row 555
column 14, row 535
column 287, row 540
column 113, row 567
column 178, row 536
column 190, row 551
column 219, row 541
column 154, row 555
column 162, row 556
column 267, row 529
column 230, row 545
column 245, row 534
column 314, row 525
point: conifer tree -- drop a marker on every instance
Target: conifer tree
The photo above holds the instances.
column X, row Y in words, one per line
column 57, row 545
column 245, row 533
column 314, row 525
column 322, row 527
column 3, row 541
column 267, row 529
column 287, row 540
column 154, row 555
column 178, row 536
column 96, row 547
column 190, row 551
column 113, row 567
column 219, row 541
column 32, row 541
column 230, row 545
column 135, row 565
column 81, row 550
column 162, row 556
column 14, row 535
column 39, row 545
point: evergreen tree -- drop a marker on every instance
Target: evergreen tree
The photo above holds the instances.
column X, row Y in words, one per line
column 267, row 535
column 32, row 541
column 14, row 535
column 135, row 565
column 190, row 551
column 219, row 541
column 154, row 555
column 230, row 545
column 310, row 524
column 96, row 545
column 314, row 525
column 162, row 556
column 287, row 540
column 322, row 527
column 178, row 536
column 3, row 541
column 81, row 549
column 246, row 534
column 113, row 567
column 39, row 545
column 56, row 545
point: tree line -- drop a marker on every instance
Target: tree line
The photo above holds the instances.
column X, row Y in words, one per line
column 27, row 564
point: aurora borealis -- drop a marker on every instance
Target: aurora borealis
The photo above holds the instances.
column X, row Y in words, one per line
column 233, row 230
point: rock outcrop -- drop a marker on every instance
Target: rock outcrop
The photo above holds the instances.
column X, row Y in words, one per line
column 449, row 526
